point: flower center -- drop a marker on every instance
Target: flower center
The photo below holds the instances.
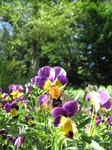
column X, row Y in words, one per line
column 54, row 92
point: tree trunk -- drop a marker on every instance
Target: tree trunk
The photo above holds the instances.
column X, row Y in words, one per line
column 35, row 62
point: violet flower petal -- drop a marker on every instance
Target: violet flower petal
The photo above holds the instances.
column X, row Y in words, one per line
column 42, row 82
column 104, row 96
column 59, row 71
column 7, row 107
column 59, row 111
column 59, row 121
column 1, row 90
column 109, row 120
column 63, row 79
column 107, row 105
column 42, row 98
column 71, row 107
column 19, row 88
column 99, row 119
column 47, row 72
column 12, row 87
column 19, row 141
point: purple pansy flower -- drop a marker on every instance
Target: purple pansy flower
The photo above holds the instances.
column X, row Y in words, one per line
column 16, row 91
column 100, row 99
column 99, row 119
column 30, row 119
column 62, row 119
column 105, row 99
column 44, row 102
column 12, row 109
column 6, row 97
column 34, row 81
column 69, row 109
column 14, row 87
column 52, row 80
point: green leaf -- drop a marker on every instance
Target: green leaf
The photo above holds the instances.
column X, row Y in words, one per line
column 84, row 123
column 92, row 144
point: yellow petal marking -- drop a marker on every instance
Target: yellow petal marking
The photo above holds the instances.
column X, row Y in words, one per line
column 1, row 95
column 16, row 94
column 8, row 98
column 13, row 112
column 58, row 84
column 47, row 85
column 69, row 129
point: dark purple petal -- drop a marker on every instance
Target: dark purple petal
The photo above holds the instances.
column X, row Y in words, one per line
column 28, row 89
column 33, row 81
column 42, row 82
column 63, row 79
column 59, row 71
column 42, row 98
column 36, row 79
column 4, row 102
column 19, row 141
column 12, row 139
column 57, row 121
column 104, row 96
column 37, row 140
column 27, row 117
column 99, row 119
column 107, row 105
column 2, row 131
column 14, row 104
column 91, row 111
column 5, row 95
column 88, row 97
column 19, row 88
column 59, row 111
column 71, row 107
column 47, row 72
column 109, row 120
column 12, row 87
column 7, row 107
column 1, row 90
column 22, row 98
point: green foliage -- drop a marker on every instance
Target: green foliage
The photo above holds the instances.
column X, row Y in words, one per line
column 43, row 135
column 73, row 34
column 11, row 72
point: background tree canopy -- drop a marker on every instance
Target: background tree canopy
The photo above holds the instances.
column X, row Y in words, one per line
column 76, row 35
